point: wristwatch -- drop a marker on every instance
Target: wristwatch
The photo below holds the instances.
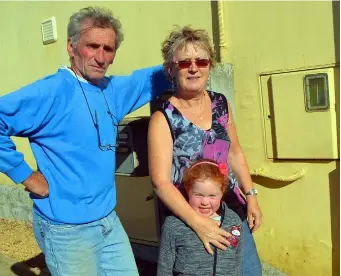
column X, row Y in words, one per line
column 251, row 192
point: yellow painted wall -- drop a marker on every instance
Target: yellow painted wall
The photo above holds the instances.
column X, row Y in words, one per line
column 301, row 219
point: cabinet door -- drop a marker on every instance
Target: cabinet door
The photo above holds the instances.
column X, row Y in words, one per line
column 136, row 208
column 295, row 128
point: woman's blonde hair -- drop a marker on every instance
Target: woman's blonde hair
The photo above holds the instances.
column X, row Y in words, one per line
column 180, row 37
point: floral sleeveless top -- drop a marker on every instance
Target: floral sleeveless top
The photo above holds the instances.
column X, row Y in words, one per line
column 191, row 143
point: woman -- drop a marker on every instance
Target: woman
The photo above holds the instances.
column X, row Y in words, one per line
column 193, row 124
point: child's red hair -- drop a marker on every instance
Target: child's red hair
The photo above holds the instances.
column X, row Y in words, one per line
column 202, row 170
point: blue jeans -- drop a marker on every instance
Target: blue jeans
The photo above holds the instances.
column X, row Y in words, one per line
column 251, row 265
column 98, row 248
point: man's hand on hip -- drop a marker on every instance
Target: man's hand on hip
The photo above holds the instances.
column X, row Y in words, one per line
column 37, row 185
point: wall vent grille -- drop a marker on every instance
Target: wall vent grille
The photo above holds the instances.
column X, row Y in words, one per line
column 49, row 30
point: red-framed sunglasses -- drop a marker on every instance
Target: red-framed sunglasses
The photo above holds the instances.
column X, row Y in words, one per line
column 185, row 64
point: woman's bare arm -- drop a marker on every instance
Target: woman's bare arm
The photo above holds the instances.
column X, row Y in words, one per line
column 239, row 166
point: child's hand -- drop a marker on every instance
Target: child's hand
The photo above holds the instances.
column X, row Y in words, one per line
column 209, row 233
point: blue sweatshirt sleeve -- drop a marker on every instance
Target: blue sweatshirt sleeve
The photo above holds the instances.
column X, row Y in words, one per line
column 137, row 89
column 23, row 113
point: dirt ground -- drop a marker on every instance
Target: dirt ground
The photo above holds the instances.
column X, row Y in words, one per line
column 17, row 240
column 17, row 243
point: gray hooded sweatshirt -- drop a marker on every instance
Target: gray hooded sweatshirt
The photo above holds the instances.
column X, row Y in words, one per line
column 183, row 253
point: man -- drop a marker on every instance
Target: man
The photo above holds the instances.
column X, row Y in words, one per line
column 70, row 119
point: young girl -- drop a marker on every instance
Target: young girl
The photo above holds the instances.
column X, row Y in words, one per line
column 181, row 251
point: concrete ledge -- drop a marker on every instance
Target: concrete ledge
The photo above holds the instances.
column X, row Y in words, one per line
column 15, row 203
column 269, row 270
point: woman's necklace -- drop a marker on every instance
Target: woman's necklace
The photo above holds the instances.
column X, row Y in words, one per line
column 200, row 114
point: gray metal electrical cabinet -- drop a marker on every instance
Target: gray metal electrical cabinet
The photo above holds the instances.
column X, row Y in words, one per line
column 131, row 150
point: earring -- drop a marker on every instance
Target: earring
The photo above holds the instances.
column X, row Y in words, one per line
column 208, row 84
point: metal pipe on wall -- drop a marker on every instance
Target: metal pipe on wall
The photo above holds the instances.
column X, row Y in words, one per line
column 222, row 39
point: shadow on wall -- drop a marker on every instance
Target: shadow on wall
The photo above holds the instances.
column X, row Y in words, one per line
column 270, row 183
column 215, row 29
column 336, row 23
column 334, row 190
column 334, row 176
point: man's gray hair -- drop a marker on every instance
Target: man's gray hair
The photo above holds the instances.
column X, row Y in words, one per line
column 99, row 17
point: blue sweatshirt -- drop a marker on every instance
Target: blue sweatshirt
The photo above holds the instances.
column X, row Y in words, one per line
column 53, row 114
